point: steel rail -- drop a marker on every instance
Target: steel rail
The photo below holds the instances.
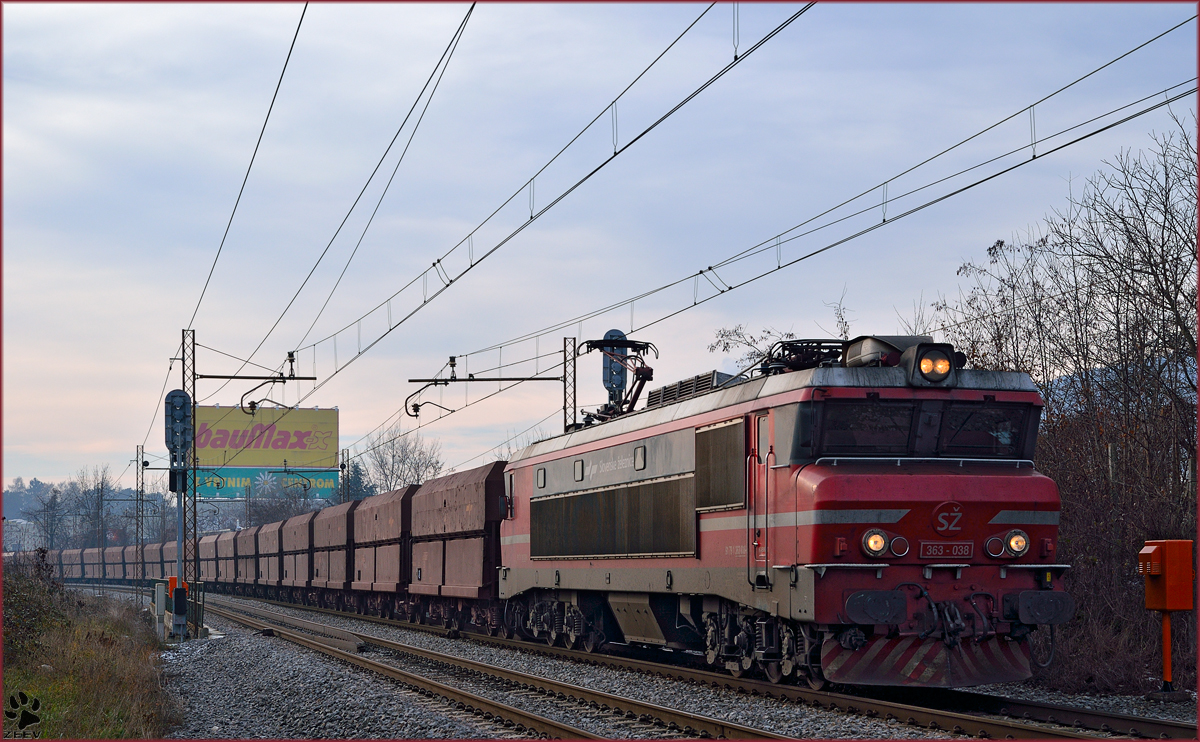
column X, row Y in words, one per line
column 1133, row 726
column 669, row 717
column 960, row 723
column 469, row 701
column 674, row 718
column 867, row 703
column 344, row 640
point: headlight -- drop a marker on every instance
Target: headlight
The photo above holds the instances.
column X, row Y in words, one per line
column 935, row 365
column 875, row 542
column 1017, row 542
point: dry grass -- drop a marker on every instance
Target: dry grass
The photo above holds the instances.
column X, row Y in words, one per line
column 105, row 680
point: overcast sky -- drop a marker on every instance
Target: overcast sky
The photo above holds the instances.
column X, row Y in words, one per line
column 128, row 130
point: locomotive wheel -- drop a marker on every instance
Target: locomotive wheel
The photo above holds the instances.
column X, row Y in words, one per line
column 591, row 641
column 773, row 671
column 552, row 637
column 788, row 665
column 505, row 631
column 815, row 680
column 572, row 640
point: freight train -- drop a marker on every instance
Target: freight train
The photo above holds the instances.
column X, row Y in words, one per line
column 861, row 512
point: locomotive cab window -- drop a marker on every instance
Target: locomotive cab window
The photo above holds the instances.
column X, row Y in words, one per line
column 639, row 458
column 875, row 427
column 983, row 430
column 541, row 478
column 578, row 470
column 866, row 428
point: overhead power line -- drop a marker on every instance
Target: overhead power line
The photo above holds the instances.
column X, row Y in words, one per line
column 396, row 169
column 442, row 59
column 739, row 284
column 248, row 167
column 439, row 270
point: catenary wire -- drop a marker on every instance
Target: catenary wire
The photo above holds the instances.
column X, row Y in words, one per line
column 1047, row 97
column 844, row 240
column 248, row 168
column 243, row 360
column 396, row 169
column 981, row 132
column 770, row 241
column 549, row 206
column 542, row 169
column 457, row 33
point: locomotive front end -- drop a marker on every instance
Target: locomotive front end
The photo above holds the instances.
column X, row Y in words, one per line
column 932, row 537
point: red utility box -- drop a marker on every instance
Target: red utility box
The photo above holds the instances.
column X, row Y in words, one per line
column 1169, row 571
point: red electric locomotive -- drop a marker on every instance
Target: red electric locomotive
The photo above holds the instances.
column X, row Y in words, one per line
column 861, row 512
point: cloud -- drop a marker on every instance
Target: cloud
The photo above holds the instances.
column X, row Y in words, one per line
column 128, row 130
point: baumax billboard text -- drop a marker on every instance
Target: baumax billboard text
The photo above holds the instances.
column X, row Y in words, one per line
column 269, row 437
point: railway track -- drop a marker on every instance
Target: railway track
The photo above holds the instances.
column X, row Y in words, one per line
column 488, row 708
column 672, row 721
column 960, row 712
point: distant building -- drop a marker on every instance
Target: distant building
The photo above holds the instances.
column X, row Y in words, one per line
column 21, row 535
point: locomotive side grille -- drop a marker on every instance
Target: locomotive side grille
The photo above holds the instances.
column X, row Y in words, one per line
column 637, row 520
column 686, row 389
column 721, row 466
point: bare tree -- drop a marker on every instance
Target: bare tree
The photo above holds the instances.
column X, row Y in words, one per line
column 91, row 505
column 839, row 315
column 1100, row 310
column 394, row 459
column 755, row 347
column 49, row 517
column 923, row 320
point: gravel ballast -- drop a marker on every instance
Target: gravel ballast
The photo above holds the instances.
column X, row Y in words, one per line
column 287, row 691
column 784, row 718
column 244, row 686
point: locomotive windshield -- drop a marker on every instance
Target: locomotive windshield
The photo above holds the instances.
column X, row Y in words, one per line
column 867, row 427
column 923, row 428
column 976, row 430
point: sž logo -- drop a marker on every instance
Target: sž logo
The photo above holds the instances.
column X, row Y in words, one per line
column 948, row 519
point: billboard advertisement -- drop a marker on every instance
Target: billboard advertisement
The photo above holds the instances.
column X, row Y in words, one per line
column 227, row 436
column 232, row 481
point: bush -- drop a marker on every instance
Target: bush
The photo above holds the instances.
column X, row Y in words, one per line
column 92, row 662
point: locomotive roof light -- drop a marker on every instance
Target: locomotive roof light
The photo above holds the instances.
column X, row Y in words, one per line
column 932, row 364
column 875, row 542
column 1017, row 542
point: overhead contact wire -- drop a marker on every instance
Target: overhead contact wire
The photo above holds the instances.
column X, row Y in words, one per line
column 557, row 199
column 457, row 33
column 248, row 168
column 396, row 169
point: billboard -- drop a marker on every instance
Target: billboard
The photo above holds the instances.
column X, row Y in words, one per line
column 227, row 436
column 232, row 481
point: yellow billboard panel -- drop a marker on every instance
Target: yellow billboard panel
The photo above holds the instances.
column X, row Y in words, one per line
column 227, row 436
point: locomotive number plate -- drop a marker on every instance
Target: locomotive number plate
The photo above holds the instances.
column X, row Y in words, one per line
column 947, row 549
